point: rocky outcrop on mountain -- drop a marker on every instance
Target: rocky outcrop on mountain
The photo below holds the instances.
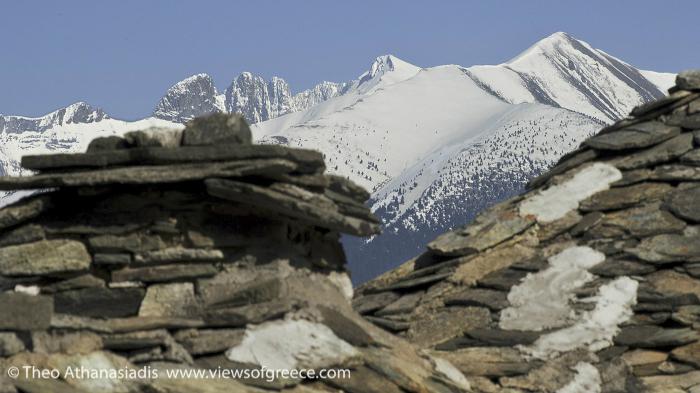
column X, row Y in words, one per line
column 259, row 100
column 192, row 250
column 587, row 282
column 190, row 98
column 249, row 94
column 79, row 112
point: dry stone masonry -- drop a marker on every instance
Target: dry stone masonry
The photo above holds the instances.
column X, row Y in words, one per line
column 588, row 282
column 192, row 249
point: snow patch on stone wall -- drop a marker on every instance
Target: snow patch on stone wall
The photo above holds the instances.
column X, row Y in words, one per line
column 587, row 380
column 554, row 202
column 291, row 344
column 541, row 301
column 595, row 329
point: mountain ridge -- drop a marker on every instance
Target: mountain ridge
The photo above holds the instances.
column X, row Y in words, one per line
column 419, row 145
column 558, row 61
column 197, row 94
column 435, row 145
column 78, row 112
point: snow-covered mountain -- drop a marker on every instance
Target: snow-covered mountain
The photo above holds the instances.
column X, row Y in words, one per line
column 251, row 95
column 68, row 129
column 189, row 98
column 63, row 137
column 563, row 71
column 435, row 145
column 79, row 112
column 71, row 128
column 259, row 100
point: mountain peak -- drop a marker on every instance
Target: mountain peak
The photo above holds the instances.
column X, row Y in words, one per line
column 77, row 112
column 247, row 75
column 191, row 97
column 386, row 63
column 81, row 112
column 196, row 77
column 382, row 63
column 563, row 71
column 548, row 45
column 388, row 69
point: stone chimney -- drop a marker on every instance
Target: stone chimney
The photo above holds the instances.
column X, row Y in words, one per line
column 192, row 249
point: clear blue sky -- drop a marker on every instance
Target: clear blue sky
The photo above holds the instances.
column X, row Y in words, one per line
column 123, row 55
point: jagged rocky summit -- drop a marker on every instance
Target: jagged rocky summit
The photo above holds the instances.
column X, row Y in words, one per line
column 192, row 249
column 587, row 282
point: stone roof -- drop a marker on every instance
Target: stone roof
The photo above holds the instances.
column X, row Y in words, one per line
column 587, row 282
column 192, row 249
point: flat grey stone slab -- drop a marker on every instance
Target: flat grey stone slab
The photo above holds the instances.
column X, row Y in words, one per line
column 482, row 234
column 654, row 337
column 417, row 282
column 634, row 137
column 369, row 303
column 45, row 257
column 164, row 273
column 389, row 324
column 503, row 280
column 652, row 106
column 404, row 305
column 156, row 174
column 347, row 187
column 675, row 172
column 122, row 325
column 100, row 302
column 616, row 267
column 308, row 160
column 668, row 248
column 25, row 312
column 24, row 234
column 23, row 210
column 685, row 203
column 207, row 341
column 661, row 153
column 503, row 338
column 478, row 297
column 646, row 220
column 623, row 197
column 291, row 201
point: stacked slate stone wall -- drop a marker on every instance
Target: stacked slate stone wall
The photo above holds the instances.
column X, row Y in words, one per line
column 191, row 249
column 589, row 282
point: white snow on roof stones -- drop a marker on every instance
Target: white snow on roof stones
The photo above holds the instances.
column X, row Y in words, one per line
column 541, row 300
column 291, row 344
column 587, row 380
column 595, row 329
column 554, row 202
